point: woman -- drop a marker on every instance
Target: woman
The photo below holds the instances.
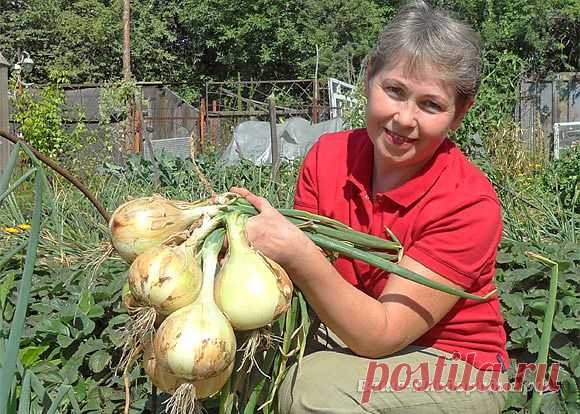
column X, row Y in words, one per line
column 401, row 172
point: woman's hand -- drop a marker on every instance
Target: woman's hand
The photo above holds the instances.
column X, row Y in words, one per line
column 272, row 234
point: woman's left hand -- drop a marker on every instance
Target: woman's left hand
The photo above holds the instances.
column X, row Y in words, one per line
column 271, row 233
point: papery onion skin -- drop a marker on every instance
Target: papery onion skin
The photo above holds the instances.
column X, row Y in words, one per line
column 127, row 298
column 146, row 222
column 250, row 289
column 168, row 383
column 159, row 376
column 196, row 342
column 165, row 278
column 211, row 386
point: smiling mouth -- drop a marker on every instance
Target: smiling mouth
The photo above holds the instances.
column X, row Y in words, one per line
column 398, row 139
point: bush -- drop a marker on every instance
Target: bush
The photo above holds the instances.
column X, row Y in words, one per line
column 42, row 118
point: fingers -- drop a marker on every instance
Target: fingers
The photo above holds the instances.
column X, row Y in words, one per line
column 259, row 202
column 240, row 190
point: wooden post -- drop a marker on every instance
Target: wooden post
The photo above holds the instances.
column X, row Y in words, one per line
column 214, row 123
column 274, row 137
column 137, row 138
column 5, row 145
column 315, row 108
column 202, row 118
column 130, row 138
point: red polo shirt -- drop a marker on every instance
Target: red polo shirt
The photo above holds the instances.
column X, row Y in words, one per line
column 447, row 217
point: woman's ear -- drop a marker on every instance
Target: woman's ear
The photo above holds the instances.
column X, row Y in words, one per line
column 461, row 110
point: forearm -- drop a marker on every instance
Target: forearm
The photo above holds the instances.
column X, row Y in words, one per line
column 358, row 319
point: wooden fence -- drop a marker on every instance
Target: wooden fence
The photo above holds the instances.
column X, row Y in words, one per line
column 5, row 146
column 544, row 103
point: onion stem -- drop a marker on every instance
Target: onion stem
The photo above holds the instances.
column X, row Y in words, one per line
column 390, row 267
column 308, row 222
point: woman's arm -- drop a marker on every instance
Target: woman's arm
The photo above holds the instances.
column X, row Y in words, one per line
column 369, row 327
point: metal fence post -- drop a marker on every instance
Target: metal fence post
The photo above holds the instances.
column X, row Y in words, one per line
column 274, row 137
column 5, row 145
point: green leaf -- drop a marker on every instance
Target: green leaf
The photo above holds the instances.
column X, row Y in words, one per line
column 96, row 311
column 62, row 391
column 551, row 404
column 11, row 253
column 563, row 346
column 534, row 344
column 31, row 354
column 117, row 338
column 516, row 321
column 519, row 275
column 522, row 334
column 99, row 360
column 514, row 301
column 8, row 167
column 64, row 341
column 564, row 325
column 24, row 403
column 54, row 326
column 569, row 390
column 503, row 258
column 86, row 302
column 538, row 306
column 6, row 287
column 575, row 365
column 88, row 325
column 118, row 320
column 70, row 371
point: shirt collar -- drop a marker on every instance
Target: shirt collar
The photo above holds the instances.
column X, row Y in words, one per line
column 360, row 174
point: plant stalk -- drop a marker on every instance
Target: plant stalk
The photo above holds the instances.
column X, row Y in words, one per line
column 59, row 169
column 546, row 328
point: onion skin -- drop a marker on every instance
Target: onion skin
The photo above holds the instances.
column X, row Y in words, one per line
column 165, row 278
column 168, row 383
column 250, row 289
column 127, row 299
column 211, row 386
column 159, row 376
column 140, row 224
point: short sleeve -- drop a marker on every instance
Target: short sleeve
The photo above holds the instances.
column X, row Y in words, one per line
column 306, row 196
column 460, row 243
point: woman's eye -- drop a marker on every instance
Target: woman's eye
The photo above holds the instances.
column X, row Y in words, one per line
column 432, row 106
column 394, row 91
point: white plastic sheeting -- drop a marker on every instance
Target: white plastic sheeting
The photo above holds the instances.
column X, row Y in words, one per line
column 251, row 140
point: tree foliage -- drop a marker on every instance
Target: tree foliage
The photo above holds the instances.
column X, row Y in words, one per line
column 190, row 41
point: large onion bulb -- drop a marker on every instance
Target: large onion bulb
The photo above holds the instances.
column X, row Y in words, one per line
column 250, row 289
column 165, row 278
column 150, row 221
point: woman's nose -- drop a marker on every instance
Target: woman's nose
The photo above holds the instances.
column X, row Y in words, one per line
column 405, row 115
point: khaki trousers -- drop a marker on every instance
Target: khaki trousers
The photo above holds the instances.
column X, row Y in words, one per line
column 332, row 380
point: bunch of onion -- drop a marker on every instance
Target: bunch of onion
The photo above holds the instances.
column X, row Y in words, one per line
column 162, row 280
column 197, row 343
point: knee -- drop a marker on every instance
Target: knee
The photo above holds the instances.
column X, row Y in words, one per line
column 311, row 390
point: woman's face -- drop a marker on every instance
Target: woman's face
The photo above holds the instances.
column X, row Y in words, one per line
column 409, row 117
